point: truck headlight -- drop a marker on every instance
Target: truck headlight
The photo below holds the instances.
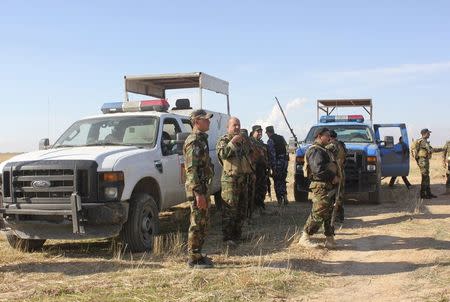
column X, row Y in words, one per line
column 371, row 168
column 371, row 163
column 111, row 193
column 111, row 185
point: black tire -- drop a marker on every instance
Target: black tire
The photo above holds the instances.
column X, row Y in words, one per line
column 142, row 224
column 375, row 196
column 300, row 196
column 25, row 245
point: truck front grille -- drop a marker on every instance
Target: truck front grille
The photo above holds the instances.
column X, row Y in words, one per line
column 49, row 182
column 353, row 165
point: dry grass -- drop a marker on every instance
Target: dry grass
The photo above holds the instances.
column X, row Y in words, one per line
column 267, row 266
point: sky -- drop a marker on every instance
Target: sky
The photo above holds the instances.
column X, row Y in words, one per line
column 61, row 60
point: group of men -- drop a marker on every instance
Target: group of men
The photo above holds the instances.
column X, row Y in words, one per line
column 246, row 161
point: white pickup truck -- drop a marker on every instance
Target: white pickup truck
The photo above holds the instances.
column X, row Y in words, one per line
column 109, row 174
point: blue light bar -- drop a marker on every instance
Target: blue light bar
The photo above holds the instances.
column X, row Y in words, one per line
column 341, row 118
column 112, row 107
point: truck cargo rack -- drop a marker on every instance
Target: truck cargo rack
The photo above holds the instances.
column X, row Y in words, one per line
column 328, row 106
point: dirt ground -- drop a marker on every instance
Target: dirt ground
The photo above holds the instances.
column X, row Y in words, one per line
column 398, row 250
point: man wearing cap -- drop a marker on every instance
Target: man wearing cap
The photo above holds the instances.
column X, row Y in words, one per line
column 423, row 155
column 233, row 154
column 278, row 161
column 261, row 161
column 199, row 173
column 446, row 162
column 322, row 171
column 339, row 151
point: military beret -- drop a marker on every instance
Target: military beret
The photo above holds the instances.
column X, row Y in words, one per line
column 333, row 133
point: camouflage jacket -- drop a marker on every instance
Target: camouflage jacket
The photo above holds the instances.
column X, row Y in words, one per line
column 424, row 148
column 260, row 155
column 339, row 151
column 320, row 163
column 446, row 155
column 235, row 159
column 197, row 164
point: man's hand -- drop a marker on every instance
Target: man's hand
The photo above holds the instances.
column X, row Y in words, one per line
column 336, row 180
column 200, row 200
column 237, row 139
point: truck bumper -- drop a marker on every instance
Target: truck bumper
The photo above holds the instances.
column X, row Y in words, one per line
column 96, row 220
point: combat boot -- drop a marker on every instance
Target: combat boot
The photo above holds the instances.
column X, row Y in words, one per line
column 202, row 263
column 423, row 194
column 431, row 195
column 330, row 243
column 285, row 200
column 305, row 241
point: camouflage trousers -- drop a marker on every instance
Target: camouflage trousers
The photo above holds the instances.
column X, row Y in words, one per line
column 251, row 196
column 322, row 209
column 260, row 187
column 424, row 166
column 199, row 220
column 235, row 193
column 279, row 178
column 340, row 198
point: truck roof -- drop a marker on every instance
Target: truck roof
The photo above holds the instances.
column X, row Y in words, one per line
column 328, row 106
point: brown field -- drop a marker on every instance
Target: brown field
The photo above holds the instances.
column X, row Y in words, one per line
column 396, row 251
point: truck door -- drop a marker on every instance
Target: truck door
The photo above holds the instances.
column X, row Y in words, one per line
column 171, row 163
column 393, row 143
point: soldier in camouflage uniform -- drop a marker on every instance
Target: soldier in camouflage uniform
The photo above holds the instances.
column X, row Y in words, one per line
column 251, row 186
column 446, row 158
column 322, row 171
column 199, row 173
column 278, row 160
column 234, row 154
column 339, row 151
column 423, row 155
column 261, row 165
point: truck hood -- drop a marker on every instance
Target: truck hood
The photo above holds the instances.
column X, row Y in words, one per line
column 105, row 156
column 369, row 149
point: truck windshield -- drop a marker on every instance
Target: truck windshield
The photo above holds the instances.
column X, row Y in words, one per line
column 121, row 130
column 347, row 133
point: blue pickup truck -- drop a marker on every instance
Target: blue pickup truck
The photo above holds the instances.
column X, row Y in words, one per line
column 370, row 157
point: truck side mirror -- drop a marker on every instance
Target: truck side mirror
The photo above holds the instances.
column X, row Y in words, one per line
column 44, row 143
column 181, row 138
column 389, row 142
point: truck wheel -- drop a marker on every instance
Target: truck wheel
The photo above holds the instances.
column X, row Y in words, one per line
column 25, row 245
column 142, row 224
column 300, row 196
column 374, row 197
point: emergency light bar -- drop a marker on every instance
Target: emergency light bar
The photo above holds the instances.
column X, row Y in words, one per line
column 135, row 106
column 341, row 118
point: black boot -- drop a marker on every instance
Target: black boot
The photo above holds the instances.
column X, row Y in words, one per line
column 423, row 194
column 431, row 195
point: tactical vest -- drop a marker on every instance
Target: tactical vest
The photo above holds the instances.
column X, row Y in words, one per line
column 332, row 165
column 422, row 152
column 279, row 144
column 238, row 164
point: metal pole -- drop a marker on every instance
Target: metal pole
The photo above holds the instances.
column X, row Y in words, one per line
column 228, row 104
column 201, row 97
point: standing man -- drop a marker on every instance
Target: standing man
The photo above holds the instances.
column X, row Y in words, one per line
column 339, row 151
column 199, row 173
column 278, row 160
column 261, row 165
column 405, row 152
column 423, row 153
column 233, row 154
column 446, row 158
column 322, row 172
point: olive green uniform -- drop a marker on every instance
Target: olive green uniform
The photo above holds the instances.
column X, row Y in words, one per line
column 199, row 173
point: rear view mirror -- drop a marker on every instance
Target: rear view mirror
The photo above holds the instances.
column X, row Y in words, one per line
column 181, row 138
column 389, row 142
column 44, row 143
